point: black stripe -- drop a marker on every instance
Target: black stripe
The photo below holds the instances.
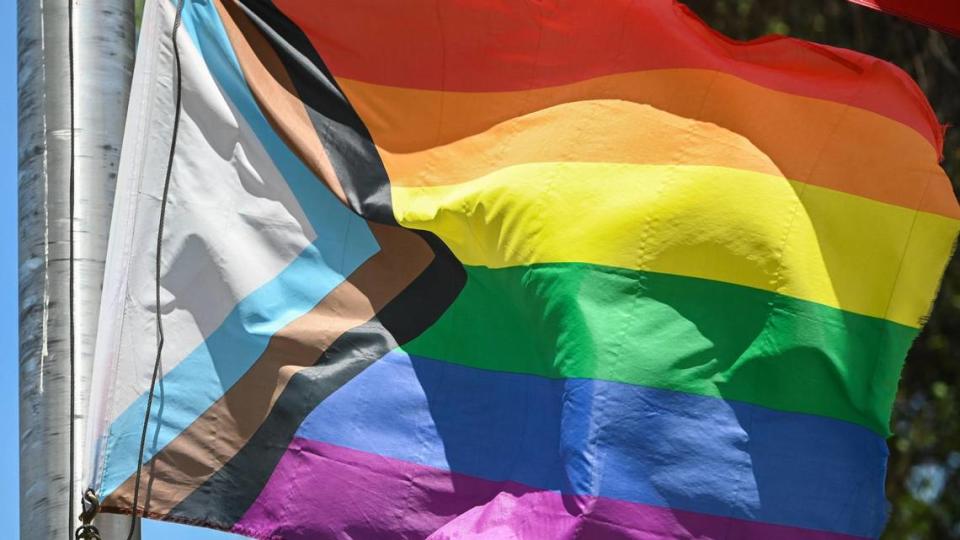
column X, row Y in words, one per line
column 226, row 496
column 341, row 131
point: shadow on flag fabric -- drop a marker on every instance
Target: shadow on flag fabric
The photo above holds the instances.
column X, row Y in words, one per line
column 464, row 269
column 943, row 15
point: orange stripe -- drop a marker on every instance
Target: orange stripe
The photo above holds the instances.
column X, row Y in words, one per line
column 609, row 131
column 808, row 140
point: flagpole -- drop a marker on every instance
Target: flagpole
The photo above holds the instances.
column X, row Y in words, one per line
column 74, row 70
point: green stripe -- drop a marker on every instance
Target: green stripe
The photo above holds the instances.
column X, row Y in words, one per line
column 678, row 333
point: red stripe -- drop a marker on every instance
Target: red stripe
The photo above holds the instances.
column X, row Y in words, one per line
column 485, row 45
column 943, row 15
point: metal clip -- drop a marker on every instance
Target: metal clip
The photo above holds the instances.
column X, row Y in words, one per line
column 91, row 507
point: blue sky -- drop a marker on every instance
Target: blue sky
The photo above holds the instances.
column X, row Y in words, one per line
column 9, row 475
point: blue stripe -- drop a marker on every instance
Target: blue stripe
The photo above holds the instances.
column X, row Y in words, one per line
column 589, row 437
column 343, row 242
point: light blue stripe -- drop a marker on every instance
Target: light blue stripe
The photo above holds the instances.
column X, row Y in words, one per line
column 343, row 242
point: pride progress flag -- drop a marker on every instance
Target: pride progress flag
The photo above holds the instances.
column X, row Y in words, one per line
column 513, row 269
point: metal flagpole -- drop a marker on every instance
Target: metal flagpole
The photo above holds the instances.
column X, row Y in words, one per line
column 74, row 69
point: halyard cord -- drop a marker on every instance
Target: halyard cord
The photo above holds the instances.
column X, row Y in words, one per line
column 163, row 210
column 70, row 298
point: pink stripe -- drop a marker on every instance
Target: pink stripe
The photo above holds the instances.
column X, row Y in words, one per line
column 324, row 491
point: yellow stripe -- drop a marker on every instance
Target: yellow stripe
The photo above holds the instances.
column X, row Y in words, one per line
column 715, row 223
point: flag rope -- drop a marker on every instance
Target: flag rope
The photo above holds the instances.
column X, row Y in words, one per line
column 70, row 274
column 178, row 81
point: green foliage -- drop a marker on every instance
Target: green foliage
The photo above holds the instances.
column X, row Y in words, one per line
column 923, row 484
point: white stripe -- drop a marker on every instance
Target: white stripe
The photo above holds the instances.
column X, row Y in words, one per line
column 232, row 222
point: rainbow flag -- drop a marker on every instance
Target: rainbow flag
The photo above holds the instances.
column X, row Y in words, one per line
column 514, row 269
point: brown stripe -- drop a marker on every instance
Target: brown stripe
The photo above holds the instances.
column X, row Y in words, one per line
column 276, row 94
column 203, row 448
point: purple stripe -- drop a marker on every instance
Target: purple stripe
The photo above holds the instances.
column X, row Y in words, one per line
column 320, row 490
